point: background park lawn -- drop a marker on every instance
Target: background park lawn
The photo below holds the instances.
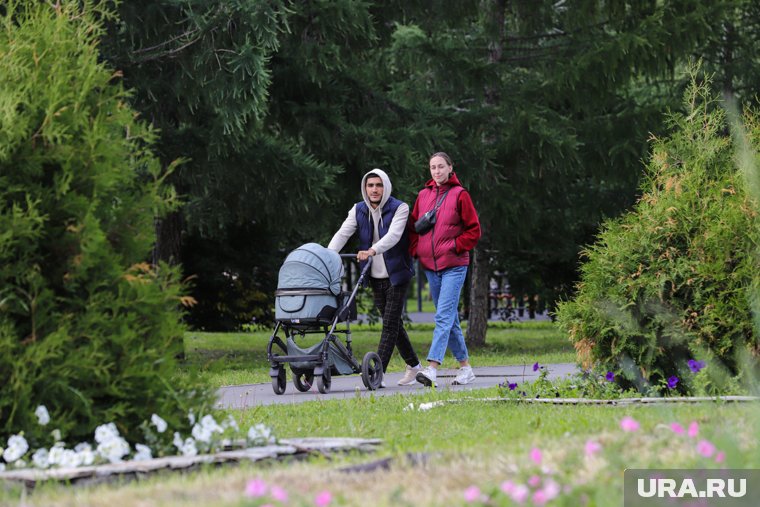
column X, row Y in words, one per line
column 240, row 358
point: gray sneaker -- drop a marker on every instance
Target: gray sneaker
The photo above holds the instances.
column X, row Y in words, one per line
column 464, row 376
column 410, row 376
column 427, row 377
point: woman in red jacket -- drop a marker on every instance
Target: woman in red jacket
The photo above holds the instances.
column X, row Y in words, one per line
column 443, row 247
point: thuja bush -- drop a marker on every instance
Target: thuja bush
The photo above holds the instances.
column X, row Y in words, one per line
column 87, row 328
column 666, row 290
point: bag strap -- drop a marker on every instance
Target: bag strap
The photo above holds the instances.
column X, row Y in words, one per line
column 440, row 201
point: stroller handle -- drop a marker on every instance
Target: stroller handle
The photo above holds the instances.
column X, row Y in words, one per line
column 353, row 257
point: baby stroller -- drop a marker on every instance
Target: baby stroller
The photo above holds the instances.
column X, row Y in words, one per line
column 308, row 301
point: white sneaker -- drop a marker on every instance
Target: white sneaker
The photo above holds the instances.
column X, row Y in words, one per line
column 426, row 377
column 465, row 376
column 382, row 384
column 410, row 376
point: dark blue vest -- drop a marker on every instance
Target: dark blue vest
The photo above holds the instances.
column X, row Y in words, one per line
column 398, row 262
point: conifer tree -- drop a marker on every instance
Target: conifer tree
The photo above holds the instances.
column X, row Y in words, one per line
column 87, row 327
column 675, row 279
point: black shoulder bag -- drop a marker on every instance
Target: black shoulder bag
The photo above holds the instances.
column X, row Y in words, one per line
column 427, row 221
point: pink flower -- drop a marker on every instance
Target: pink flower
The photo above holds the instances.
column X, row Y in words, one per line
column 507, row 487
column 592, row 447
column 720, row 457
column 629, row 424
column 323, row 499
column 693, row 429
column 536, row 455
column 539, row 498
column 472, row 494
column 705, row 448
column 520, row 493
column 551, row 489
column 256, row 488
column 534, row 481
column 677, row 428
column 279, row 494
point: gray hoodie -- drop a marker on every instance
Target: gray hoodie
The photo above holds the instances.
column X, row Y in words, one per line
column 395, row 231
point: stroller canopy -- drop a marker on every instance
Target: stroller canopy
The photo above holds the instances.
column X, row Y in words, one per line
column 311, row 266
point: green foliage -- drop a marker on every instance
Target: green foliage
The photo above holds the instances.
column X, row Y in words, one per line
column 86, row 327
column 671, row 280
column 587, row 385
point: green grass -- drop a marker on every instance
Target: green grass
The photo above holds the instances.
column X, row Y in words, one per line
column 470, row 443
column 240, row 358
column 477, row 427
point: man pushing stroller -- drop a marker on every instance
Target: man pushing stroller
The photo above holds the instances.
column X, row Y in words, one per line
column 381, row 223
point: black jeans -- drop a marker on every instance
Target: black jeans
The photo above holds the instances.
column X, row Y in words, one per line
column 389, row 299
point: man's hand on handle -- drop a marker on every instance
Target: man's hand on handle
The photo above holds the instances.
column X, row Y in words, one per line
column 363, row 255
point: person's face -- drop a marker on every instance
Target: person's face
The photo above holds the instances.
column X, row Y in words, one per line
column 440, row 170
column 374, row 188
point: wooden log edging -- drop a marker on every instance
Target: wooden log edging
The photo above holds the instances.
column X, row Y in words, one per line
column 643, row 401
column 127, row 469
column 592, row 401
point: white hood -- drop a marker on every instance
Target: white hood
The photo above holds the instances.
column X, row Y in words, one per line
column 387, row 187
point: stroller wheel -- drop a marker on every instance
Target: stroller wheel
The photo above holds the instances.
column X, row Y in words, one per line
column 372, row 371
column 324, row 381
column 280, row 381
column 303, row 380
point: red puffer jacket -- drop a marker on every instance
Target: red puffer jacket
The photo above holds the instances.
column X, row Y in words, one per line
column 456, row 230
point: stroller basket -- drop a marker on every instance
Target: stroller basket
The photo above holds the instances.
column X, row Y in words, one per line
column 337, row 359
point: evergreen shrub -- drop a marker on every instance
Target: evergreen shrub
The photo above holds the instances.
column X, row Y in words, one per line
column 87, row 328
column 671, row 281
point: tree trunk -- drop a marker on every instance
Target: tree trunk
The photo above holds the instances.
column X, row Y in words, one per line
column 478, row 322
column 168, row 245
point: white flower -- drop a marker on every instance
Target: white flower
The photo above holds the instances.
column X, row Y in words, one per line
column 106, row 432
column 230, row 422
column 17, row 447
column 188, row 448
column 84, row 451
column 143, row 452
column 20, row 464
column 69, row 459
column 55, row 454
column 40, row 458
column 56, row 433
column 2, row 467
column 260, row 435
column 409, row 407
column 210, row 423
column 43, row 416
column 64, row 458
column 159, row 423
column 201, row 433
column 177, row 440
column 113, row 449
column 191, row 417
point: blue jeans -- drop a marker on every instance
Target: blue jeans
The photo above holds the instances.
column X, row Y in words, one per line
column 445, row 287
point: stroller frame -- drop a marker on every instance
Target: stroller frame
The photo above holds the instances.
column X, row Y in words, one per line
column 371, row 367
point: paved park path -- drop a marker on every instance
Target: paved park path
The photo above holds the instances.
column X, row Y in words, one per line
column 350, row 386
